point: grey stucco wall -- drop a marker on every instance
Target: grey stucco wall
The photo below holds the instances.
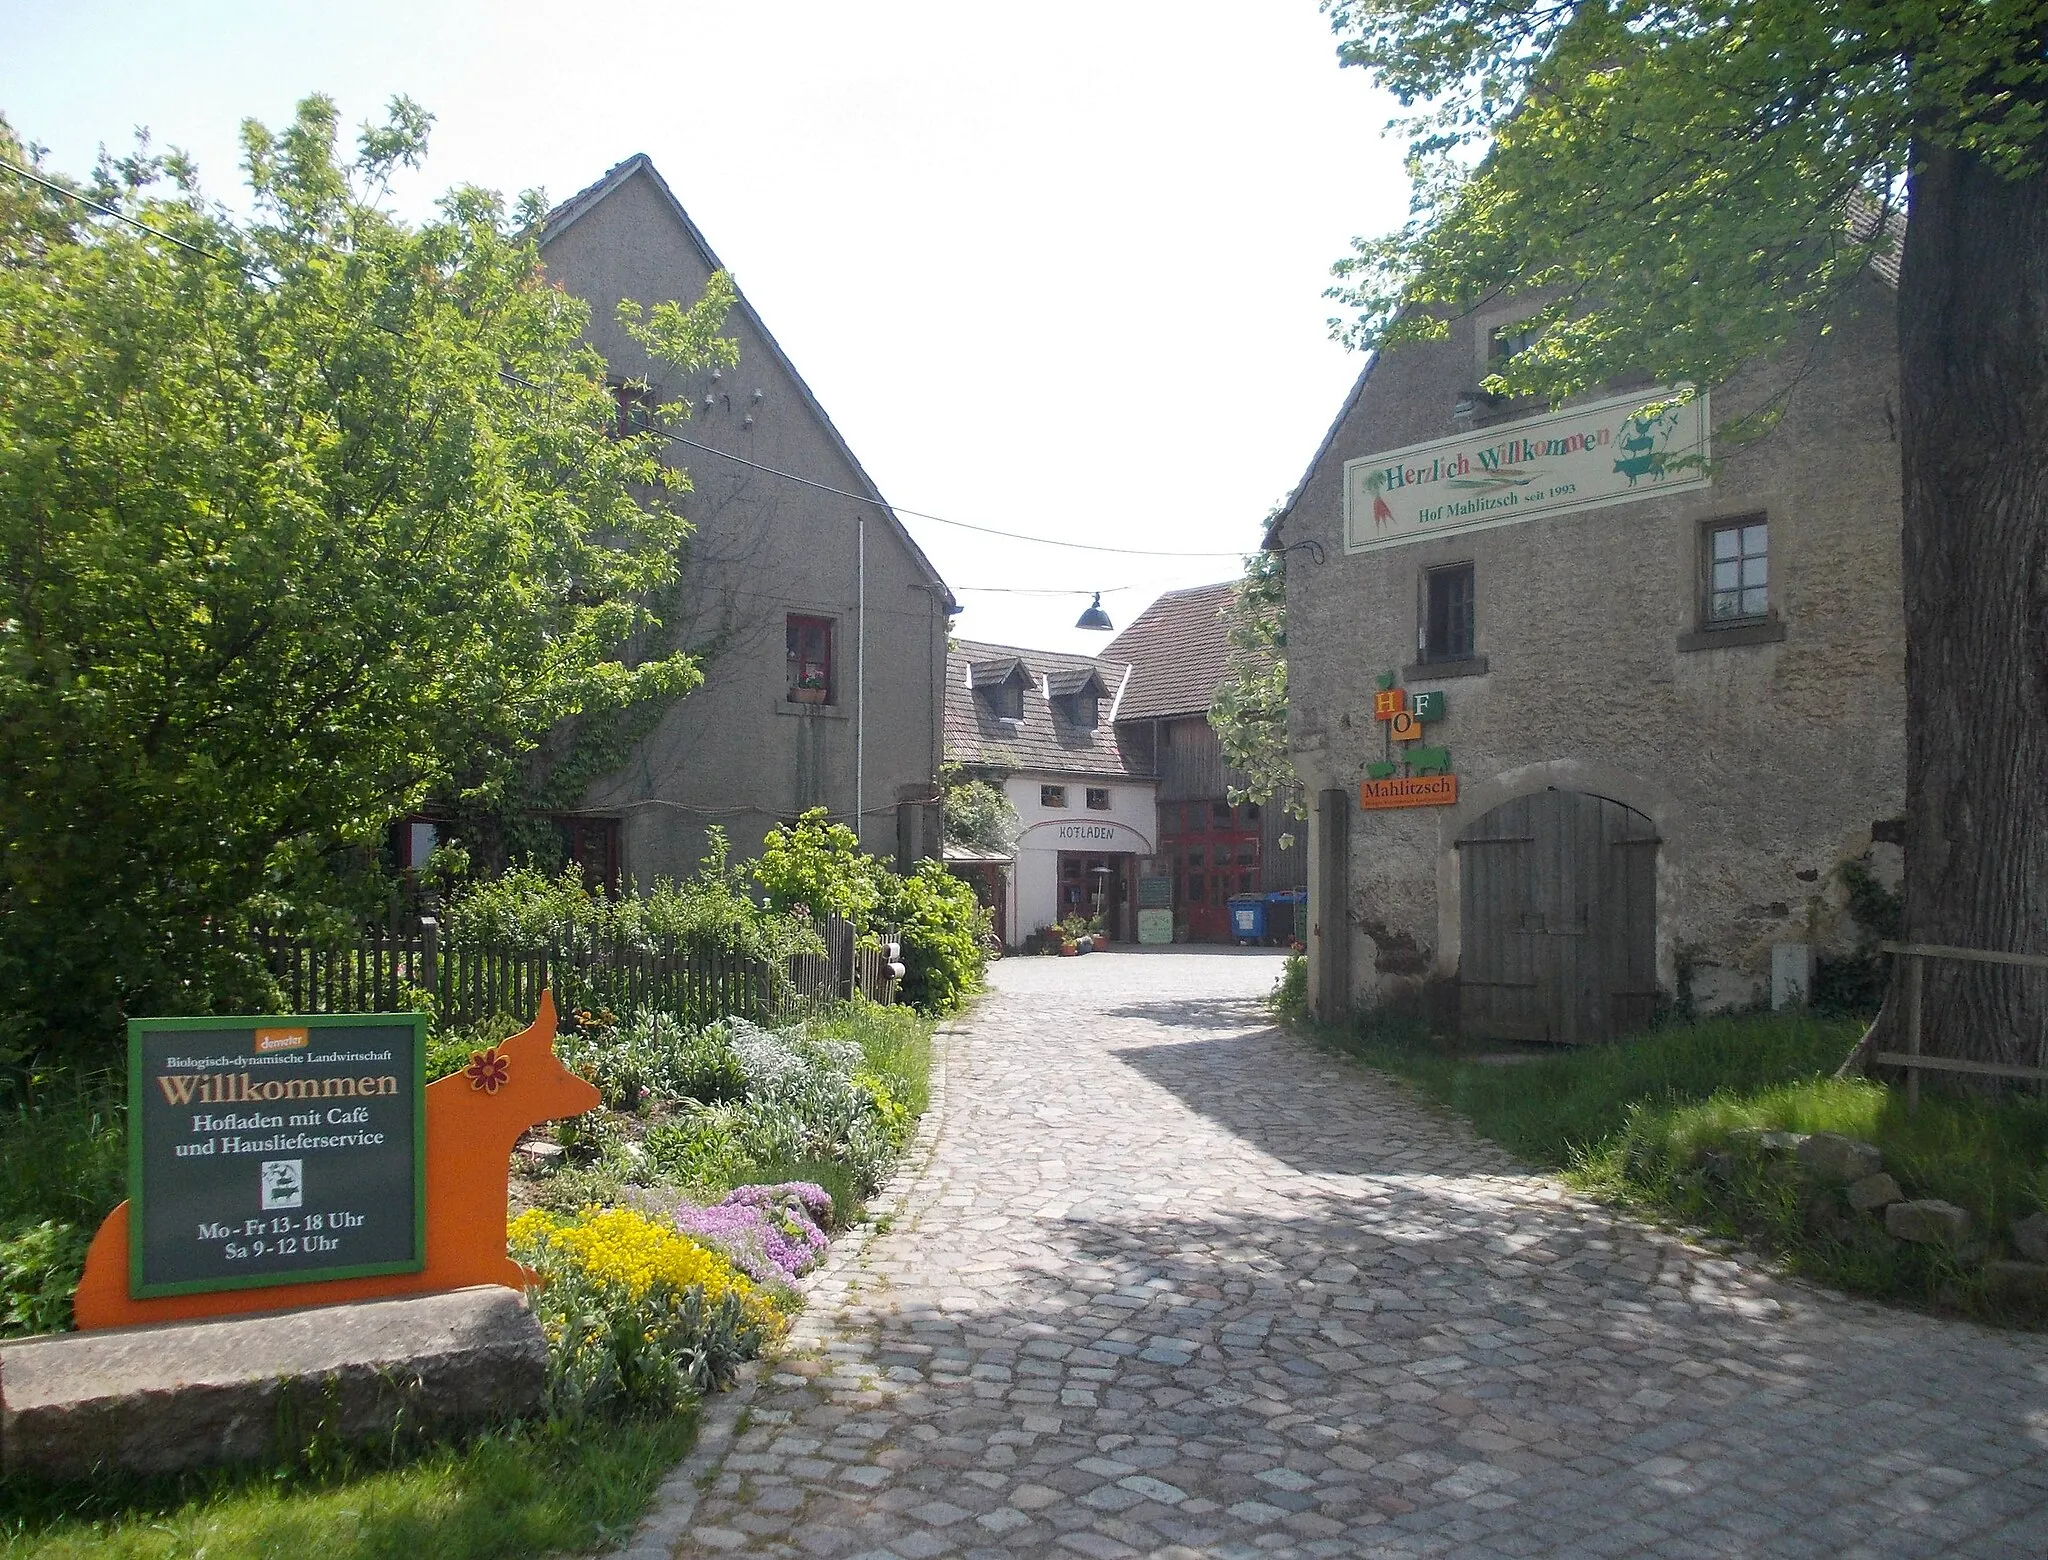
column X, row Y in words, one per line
column 736, row 753
column 1763, row 765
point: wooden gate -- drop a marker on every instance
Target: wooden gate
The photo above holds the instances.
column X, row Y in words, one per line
column 1559, row 931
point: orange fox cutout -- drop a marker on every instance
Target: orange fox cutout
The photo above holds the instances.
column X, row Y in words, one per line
column 473, row 1120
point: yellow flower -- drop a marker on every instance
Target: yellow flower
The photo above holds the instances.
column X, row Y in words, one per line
column 619, row 1246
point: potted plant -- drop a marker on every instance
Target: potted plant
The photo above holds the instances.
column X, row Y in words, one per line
column 808, row 689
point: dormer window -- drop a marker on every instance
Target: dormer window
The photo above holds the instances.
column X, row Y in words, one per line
column 1001, row 685
column 1077, row 695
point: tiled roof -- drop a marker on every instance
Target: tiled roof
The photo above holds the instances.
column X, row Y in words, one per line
column 1044, row 740
column 1176, row 647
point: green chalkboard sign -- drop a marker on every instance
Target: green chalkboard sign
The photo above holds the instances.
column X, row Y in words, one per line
column 275, row 1150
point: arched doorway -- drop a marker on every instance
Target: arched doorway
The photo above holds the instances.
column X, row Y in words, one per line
column 1558, row 920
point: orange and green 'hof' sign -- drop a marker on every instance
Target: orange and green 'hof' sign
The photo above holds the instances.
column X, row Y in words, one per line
column 1412, row 791
column 275, row 1150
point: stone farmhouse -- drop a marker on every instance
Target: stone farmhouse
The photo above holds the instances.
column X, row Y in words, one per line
column 1585, row 724
column 821, row 625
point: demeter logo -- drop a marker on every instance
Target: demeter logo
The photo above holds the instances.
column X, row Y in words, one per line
column 282, row 1040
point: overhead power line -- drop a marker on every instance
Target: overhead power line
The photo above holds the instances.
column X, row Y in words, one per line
column 118, row 216
column 708, row 449
column 984, row 530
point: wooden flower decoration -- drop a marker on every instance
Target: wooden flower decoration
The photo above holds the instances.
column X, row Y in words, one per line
column 488, row 1070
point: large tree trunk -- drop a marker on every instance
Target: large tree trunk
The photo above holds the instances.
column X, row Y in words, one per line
column 1973, row 380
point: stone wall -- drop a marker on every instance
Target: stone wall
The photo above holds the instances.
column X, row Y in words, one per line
column 1762, row 764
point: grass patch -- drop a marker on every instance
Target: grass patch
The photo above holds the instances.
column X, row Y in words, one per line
column 1555, row 1106
column 897, row 1043
column 1635, row 1121
column 523, row 1491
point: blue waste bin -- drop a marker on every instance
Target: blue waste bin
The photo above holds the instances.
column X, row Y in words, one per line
column 1248, row 917
column 1283, row 914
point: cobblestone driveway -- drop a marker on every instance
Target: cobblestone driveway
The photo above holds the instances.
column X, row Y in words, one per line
column 1172, row 1284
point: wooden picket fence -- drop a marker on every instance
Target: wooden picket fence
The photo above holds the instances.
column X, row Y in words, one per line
column 388, row 971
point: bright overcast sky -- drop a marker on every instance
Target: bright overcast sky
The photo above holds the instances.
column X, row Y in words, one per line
column 1053, row 268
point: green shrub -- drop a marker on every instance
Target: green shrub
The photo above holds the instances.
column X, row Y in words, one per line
column 1288, row 1000
column 637, row 1317
column 818, row 865
column 39, row 1269
column 653, row 1057
column 942, row 927
column 450, row 1050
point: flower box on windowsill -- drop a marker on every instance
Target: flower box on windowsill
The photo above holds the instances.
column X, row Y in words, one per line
column 807, row 695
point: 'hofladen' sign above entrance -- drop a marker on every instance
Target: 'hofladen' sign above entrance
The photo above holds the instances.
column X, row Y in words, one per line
column 275, row 1150
column 1584, row 457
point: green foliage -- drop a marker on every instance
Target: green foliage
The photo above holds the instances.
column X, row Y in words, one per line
column 636, row 1318
column 63, row 1167
column 450, row 1050
column 508, row 1493
column 1670, row 185
column 1249, row 709
column 942, row 928
column 978, row 813
column 1288, row 1000
column 292, row 532
column 819, row 866
column 655, row 1057
column 709, row 912
column 39, row 1269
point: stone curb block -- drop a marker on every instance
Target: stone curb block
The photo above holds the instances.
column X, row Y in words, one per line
column 1828, row 1156
column 2030, row 1237
column 1931, row 1222
column 254, row 1388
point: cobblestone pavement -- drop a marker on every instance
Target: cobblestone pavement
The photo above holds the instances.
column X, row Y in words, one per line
column 1173, row 1284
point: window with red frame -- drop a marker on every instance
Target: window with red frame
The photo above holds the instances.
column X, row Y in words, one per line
column 635, row 410
column 810, row 659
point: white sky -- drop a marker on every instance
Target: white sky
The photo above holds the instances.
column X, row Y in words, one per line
column 1054, row 268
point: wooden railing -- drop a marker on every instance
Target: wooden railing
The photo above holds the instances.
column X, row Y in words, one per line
column 1916, row 956
column 393, row 971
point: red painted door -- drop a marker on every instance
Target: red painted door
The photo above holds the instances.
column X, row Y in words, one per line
column 1214, row 851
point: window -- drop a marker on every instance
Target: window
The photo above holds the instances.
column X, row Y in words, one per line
column 1738, row 572
column 1052, row 796
column 1506, row 341
column 635, row 405
column 1219, row 814
column 810, row 659
column 1446, row 628
column 1084, row 710
column 593, row 844
column 1006, row 699
column 1098, row 798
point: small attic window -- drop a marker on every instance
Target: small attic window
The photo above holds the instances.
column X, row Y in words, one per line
column 1006, row 699
column 1083, row 709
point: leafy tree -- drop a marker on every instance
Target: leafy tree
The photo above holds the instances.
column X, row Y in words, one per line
column 299, row 521
column 977, row 812
column 1689, row 188
column 1249, row 709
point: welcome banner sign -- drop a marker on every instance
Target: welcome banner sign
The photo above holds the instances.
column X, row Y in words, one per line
column 276, row 1150
column 1584, row 457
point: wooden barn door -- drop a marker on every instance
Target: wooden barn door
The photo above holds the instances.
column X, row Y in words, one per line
column 1559, row 931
